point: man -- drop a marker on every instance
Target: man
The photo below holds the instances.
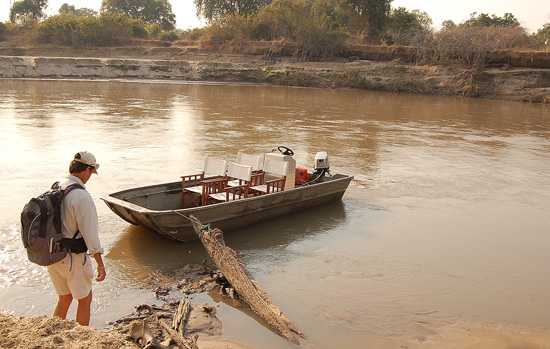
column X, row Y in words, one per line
column 72, row 276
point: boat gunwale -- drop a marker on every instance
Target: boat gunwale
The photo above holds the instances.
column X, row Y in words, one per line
column 141, row 209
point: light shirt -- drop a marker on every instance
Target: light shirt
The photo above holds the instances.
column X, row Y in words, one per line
column 78, row 213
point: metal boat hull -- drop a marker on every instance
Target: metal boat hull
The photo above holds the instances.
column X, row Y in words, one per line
column 155, row 207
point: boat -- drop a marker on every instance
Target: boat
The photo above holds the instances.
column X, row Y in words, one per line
column 166, row 210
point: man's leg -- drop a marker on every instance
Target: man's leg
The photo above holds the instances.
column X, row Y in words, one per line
column 83, row 310
column 63, row 304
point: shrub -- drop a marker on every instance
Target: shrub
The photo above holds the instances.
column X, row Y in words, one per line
column 3, row 30
column 74, row 30
column 229, row 29
column 542, row 37
column 137, row 28
column 153, row 29
column 406, row 27
column 319, row 27
column 470, row 45
column 169, row 36
column 192, row 34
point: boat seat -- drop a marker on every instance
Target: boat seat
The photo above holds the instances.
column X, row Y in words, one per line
column 230, row 194
column 213, row 168
column 275, row 169
column 222, row 191
column 256, row 178
column 256, row 161
column 271, row 186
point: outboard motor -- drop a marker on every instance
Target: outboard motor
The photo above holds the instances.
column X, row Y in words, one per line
column 321, row 167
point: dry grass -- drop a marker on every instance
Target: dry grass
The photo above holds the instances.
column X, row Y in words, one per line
column 471, row 45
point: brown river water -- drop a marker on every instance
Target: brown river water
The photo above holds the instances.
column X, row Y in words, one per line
column 446, row 222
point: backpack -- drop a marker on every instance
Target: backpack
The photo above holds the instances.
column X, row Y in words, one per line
column 41, row 226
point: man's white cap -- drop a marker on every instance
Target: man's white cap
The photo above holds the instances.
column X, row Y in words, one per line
column 87, row 158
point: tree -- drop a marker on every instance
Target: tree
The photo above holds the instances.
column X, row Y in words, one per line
column 542, row 36
column 27, row 9
column 149, row 11
column 407, row 27
column 448, row 24
column 376, row 14
column 486, row 20
column 214, row 9
column 67, row 9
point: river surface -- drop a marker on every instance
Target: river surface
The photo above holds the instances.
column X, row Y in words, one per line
column 446, row 221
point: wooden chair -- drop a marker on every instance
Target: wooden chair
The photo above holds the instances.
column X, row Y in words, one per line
column 270, row 186
column 211, row 188
column 214, row 168
column 256, row 161
column 274, row 177
column 235, row 172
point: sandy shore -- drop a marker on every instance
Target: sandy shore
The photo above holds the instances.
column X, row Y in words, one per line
column 45, row 332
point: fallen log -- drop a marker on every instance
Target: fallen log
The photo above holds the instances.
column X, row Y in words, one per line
column 227, row 261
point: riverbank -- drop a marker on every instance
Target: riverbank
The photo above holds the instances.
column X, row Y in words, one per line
column 45, row 332
column 143, row 327
column 508, row 83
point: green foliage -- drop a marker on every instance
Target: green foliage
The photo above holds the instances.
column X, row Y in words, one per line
column 542, row 37
column 486, row 20
column 192, row 34
column 316, row 26
column 406, row 27
column 448, row 24
column 25, row 11
column 149, row 11
column 217, row 9
column 375, row 12
column 153, row 29
column 3, row 30
column 67, row 9
column 169, row 36
column 77, row 31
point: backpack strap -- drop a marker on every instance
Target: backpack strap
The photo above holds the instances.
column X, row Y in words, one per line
column 74, row 244
column 57, row 206
column 70, row 188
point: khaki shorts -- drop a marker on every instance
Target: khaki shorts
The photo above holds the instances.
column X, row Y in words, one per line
column 73, row 275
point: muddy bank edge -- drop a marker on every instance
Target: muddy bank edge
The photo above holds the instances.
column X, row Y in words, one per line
column 521, row 84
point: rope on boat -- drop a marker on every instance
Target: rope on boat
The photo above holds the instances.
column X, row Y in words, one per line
column 193, row 220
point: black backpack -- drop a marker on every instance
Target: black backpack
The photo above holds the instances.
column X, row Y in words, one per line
column 41, row 226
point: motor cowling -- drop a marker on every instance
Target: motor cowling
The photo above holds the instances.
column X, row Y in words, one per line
column 321, row 161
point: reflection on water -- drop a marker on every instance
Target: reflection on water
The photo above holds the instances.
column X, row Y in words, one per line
column 165, row 256
column 445, row 221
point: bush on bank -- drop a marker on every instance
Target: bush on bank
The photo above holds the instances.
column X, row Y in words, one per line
column 323, row 28
column 105, row 30
column 3, row 30
column 318, row 27
column 470, row 45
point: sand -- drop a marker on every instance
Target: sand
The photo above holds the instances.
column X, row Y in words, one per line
column 44, row 332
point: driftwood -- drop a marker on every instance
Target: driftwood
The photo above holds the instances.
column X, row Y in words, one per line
column 180, row 317
column 181, row 341
column 227, row 261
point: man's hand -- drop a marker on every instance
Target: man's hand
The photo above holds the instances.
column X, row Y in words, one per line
column 101, row 274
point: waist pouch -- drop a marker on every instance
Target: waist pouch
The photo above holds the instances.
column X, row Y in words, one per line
column 74, row 245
